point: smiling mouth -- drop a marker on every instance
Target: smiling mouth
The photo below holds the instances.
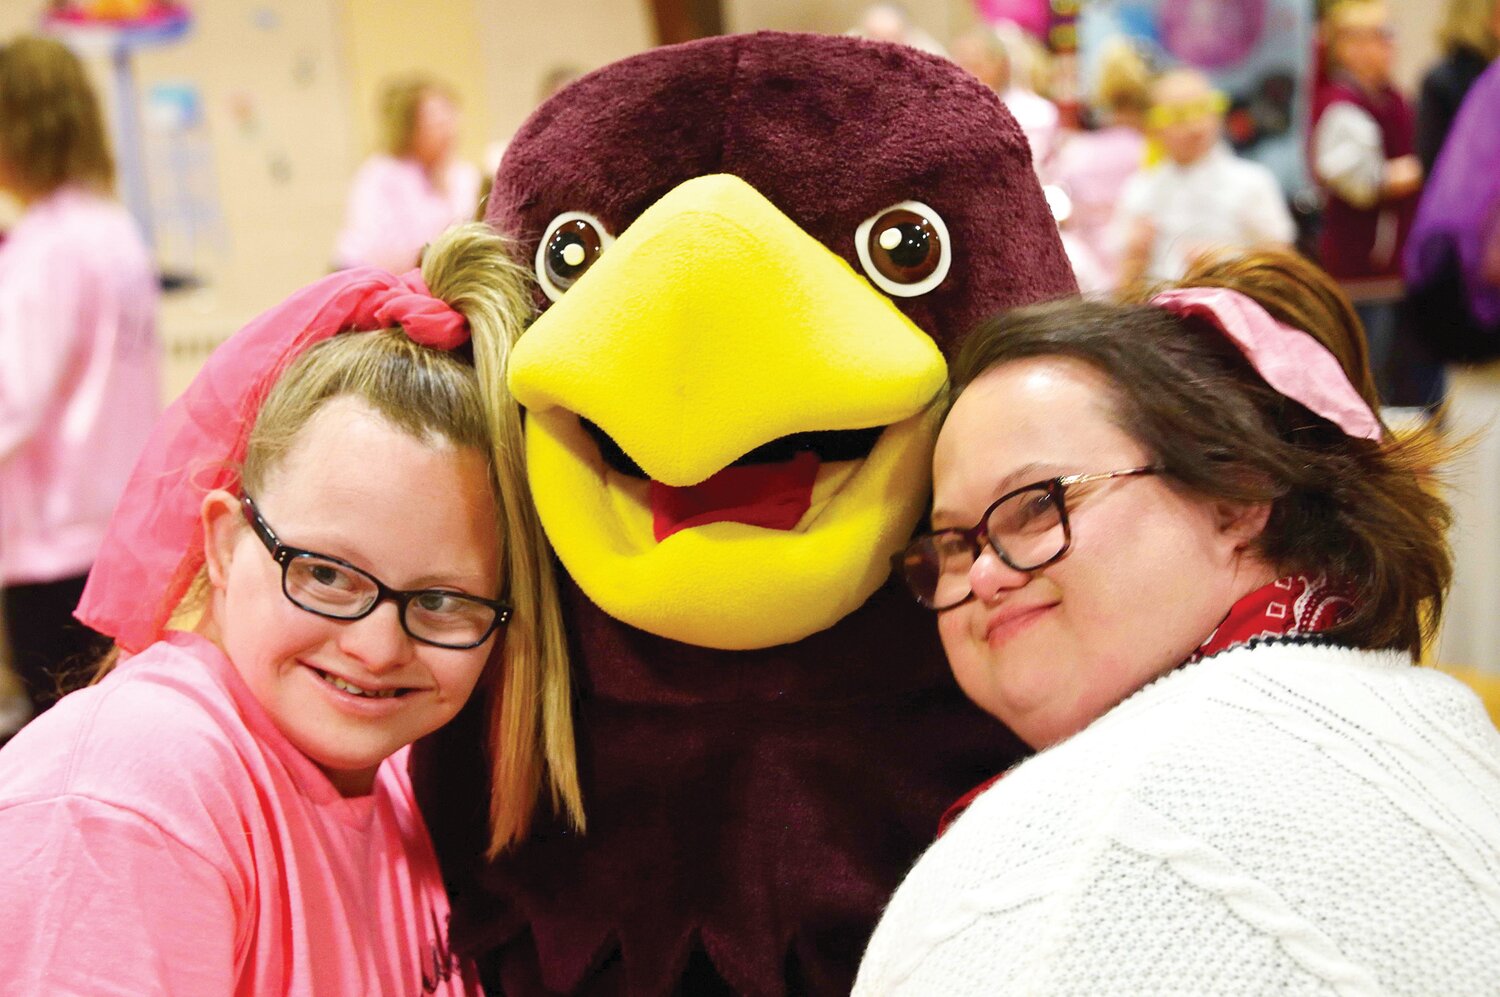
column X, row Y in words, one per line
column 770, row 487
column 1002, row 630
column 354, row 690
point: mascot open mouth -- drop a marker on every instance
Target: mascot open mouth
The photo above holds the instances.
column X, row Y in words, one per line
column 770, row 487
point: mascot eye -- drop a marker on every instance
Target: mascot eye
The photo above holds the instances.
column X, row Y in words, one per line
column 573, row 242
column 904, row 249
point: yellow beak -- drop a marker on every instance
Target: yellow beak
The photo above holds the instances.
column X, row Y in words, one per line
column 712, row 326
column 715, row 324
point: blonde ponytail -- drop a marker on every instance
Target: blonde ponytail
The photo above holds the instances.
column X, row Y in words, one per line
column 531, row 726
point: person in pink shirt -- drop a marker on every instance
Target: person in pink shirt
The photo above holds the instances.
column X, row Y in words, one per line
column 301, row 587
column 405, row 195
column 1092, row 167
column 991, row 57
column 79, row 355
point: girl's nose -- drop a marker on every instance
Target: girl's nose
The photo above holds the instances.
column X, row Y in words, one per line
column 990, row 577
column 378, row 641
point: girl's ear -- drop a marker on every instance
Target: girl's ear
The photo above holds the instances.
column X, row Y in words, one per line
column 222, row 522
column 1242, row 523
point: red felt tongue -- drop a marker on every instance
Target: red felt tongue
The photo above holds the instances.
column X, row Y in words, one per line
column 774, row 496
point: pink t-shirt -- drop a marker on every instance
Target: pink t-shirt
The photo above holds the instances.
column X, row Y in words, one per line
column 1093, row 168
column 158, row 835
column 394, row 210
column 79, row 379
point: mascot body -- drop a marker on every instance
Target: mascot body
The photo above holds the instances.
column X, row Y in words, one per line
column 758, row 252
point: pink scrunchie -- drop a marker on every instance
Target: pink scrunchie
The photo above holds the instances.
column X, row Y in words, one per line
column 153, row 547
column 1288, row 359
column 427, row 320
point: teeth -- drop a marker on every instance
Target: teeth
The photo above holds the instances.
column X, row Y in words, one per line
column 353, row 689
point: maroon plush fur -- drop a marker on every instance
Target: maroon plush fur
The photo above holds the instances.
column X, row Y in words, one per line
column 749, row 812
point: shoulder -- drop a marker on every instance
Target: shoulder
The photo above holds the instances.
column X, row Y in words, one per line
column 1288, row 794
column 1347, row 121
column 161, row 737
column 86, row 234
column 463, row 173
column 1333, row 92
column 386, row 170
column 1267, row 740
column 1143, row 185
column 1249, row 172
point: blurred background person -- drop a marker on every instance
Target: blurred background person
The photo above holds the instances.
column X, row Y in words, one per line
column 1364, row 159
column 1201, row 196
column 554, row 79
column 992, row 59
column 416, row 186
column 891, row 22
column 1470, row 39
column 79, row 356
column 1091, row 167
column 1452, row 267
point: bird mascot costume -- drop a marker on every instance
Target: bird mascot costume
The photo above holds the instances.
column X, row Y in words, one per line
column 756, row 255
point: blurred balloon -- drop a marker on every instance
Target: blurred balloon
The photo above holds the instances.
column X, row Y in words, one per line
column 1032, row 15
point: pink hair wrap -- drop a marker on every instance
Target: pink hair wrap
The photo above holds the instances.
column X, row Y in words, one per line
column 1289, row 360
column 153, row 547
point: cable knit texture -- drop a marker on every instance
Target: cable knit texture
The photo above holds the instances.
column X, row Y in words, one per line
column 1282, row 818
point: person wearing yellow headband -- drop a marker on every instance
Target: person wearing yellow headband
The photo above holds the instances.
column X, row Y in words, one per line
column 1200, row 196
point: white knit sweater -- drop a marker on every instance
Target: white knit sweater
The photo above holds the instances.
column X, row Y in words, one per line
column 1289, row 819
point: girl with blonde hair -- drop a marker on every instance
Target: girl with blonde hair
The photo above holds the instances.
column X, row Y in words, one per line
column 326, row 549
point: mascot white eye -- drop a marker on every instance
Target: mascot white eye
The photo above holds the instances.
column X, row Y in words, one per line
column 574, row 241
column 904, row 249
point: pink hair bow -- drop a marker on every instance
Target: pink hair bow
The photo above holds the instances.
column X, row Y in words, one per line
column 427, row 320
column 1289, row 360
column 154, row 548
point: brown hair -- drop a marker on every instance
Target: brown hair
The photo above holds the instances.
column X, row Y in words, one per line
column 1470, row 24
column 1351, row 508
column 51, row 131
column 400, row 102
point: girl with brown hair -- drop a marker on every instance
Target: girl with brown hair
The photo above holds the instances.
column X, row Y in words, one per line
column 79, row 354
column 1177, row 552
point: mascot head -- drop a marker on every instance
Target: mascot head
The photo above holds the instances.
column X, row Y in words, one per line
column 756, row 255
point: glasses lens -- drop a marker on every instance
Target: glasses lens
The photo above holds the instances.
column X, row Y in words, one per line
column 328, row 587
column 936, row 569
column 449, row 619
column 1028, row 527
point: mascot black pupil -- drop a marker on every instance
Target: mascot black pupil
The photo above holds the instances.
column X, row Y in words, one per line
column 905, row 247
column 913, row 248
column 572, row 249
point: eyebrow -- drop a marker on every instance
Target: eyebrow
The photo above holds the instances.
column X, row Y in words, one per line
column 1023, row 475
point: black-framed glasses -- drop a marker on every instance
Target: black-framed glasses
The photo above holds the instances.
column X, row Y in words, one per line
column 334, row 588
column 1027, row 528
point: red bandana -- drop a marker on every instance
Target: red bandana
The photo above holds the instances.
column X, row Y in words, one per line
column 1287, row 607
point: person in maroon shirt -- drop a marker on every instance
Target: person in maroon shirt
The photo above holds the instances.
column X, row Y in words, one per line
column 1364, row 159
